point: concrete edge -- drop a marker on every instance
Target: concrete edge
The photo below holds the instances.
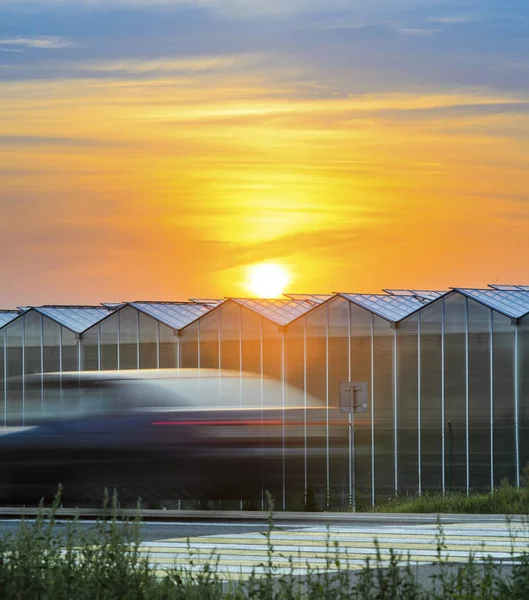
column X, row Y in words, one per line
column 262, row 516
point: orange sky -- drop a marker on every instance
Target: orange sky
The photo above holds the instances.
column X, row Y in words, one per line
column 164, row 178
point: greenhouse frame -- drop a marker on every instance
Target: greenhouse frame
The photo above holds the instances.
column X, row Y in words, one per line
column 447, row 374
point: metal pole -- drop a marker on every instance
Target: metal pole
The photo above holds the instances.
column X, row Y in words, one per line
column 99, row 346
column 352, row 490
column 467, row 444
column 491, row 367
column 5, row 376
column 419, row 398
column 23, row 371
column 137, row 339
column 373, row 410
column 516, row 405
column 262, row 412
column 328, row 464
column 42, row 365
column 198, row 345
column 157, row 344
column 443, row 415
column 451, row 454
column 305, row 465
column 118, row 340
column 283, row 419
column 395, row 412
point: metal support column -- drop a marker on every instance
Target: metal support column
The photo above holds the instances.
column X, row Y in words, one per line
column 352, row 474
column 372, row 410
column 283, row 404
column 419, row 439
column 119, row 340
column 261, row 349
column 305, row 459
column 516, row 404
column 443, row 416
column 327, row 446
column 157, row 344
column 23, row 371
column 467, row 443
column 491, row 375
column 198, row 345
column 137, row 339
column 99, row 346
column 395, row 413
column 5, row 376
column 42, row 365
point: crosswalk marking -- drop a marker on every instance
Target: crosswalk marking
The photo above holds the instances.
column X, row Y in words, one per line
column 317, row 547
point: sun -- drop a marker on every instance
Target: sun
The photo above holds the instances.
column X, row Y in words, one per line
column 268, row 280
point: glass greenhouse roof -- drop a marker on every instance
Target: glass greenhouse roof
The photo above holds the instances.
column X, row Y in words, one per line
column 392, row 308
column 420, row 293
column 280, row 312
column 314, row 298
column 173, row 314
column 6, row 316
column 507, row 288
column 511, row 303
column 75, row 318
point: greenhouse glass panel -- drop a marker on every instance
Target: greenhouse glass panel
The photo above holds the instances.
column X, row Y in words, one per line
column 2, row 375
column 504, row 419
column 15, row 391
column 90, row 349
column 70, row 350
column 523, row 373
column 251, row 342
column 295, row 420
column 431, row 395
column 168, row 347
column 317, row 464
column 109, row 343
column 408, row 406
column 384, row 431
column 128, row 338
column 32, row 366
column 189, row 347
column 148, row 342
column 230, row 328
column 209, row 340
column 338, row 422
column 455, row 392
column 51, row 340
column 361, row 329
column 479, row 394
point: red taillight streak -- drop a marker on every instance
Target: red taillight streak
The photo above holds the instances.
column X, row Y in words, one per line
column 218, row 423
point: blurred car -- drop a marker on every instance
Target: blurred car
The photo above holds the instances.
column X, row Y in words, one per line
column 186, row 433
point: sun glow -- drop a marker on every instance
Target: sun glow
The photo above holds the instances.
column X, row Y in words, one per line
column 268, row 280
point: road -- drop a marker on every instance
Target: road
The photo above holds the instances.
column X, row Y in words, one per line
column 241, row 546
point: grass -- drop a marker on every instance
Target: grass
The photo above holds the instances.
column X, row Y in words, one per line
column 507, row 500
column 43, row 562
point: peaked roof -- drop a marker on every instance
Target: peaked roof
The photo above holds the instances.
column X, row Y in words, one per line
column 6, row 316
column 314, row 298
column 75, row 318
column 176, row 315
column 511, row 303
column 281, row 312
column 506, row 288
column 393, row 308
column 418, row 293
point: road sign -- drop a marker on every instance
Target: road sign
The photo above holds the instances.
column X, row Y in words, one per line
column 353, row 396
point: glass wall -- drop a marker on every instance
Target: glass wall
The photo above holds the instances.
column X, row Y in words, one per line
column 455, row 392
column 523, row 373
column 383, row 408
column 479, row 396
column 339, row 371
column 148, row 345
column 503, row 401
column 361, row 370
column 431, row 396
column 408, row 405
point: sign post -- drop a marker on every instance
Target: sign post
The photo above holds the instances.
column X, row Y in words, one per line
column 353, row 399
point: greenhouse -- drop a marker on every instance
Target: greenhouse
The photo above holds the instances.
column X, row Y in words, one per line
column 446, row 373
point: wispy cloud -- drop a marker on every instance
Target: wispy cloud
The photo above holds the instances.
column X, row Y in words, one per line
column 44, row 42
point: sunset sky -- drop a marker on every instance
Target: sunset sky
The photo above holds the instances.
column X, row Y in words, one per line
column 154, row 149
